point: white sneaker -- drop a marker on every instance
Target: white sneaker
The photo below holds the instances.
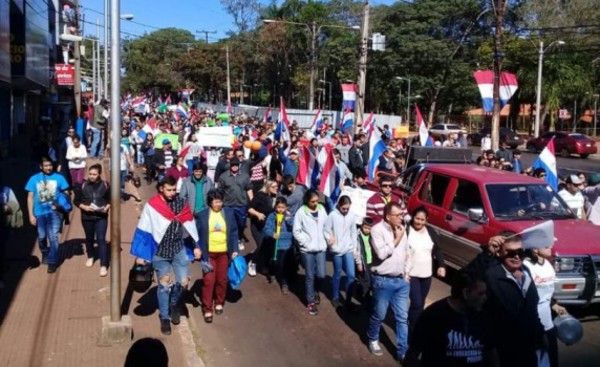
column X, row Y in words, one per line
column 89, row 262
column 375, row 349
column 103, row 271
column 241, row 245
column 252, row 269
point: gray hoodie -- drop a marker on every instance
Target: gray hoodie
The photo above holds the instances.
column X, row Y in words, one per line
column 308, row 230
column 343, row 228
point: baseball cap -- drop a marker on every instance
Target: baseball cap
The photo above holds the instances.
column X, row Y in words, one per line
column 594, row 179
column 235, row 161
column 166, row 141
column 294, row 151
column 573, row 179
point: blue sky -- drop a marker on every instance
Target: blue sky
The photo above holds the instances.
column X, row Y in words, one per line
column 192, row 15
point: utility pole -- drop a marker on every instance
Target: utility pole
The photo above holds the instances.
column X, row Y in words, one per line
column 206, row 33
column 97, row 62
column 362, row 67
column 313, row 64
column 228, row 77
column 115, row 169
column 106, row 40
column 77, row 55
column 500, row 7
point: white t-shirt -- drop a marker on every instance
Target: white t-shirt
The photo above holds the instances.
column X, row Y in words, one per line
column 575, row 202
column 543, row 277
column 124, row 162
column 78, row 154
column 421, row 246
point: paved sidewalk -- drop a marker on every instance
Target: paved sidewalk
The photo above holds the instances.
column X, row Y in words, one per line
column 55, row 319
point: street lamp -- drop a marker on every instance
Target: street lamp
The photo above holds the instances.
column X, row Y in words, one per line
column 314, row 31
column 326, row 82
column 538, row 100
column 408, row 99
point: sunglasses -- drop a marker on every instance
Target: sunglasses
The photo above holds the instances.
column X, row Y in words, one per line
column 386, row 186
column 520, row 253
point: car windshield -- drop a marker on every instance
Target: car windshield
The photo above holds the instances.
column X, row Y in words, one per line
column 578, row 136
column 453, row 127
column 526, row 201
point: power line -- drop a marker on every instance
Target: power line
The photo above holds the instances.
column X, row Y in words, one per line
column 206, row 33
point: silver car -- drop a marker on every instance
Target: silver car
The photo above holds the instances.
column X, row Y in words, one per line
column 444, row 129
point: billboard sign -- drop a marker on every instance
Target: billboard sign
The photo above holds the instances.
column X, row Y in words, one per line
column 64, row 74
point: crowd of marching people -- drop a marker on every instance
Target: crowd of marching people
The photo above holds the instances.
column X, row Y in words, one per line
column 289, row 184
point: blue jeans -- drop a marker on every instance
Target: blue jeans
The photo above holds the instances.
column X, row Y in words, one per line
column 314, row 266
column 419, row 288
column 389, row 291
column 123, row 177
column 48, row 228
column 345, row 262
column 190, row 165
column 95, row 231
column 241, row 214
column 139, row 156
column 170, row 295
column 96, row 147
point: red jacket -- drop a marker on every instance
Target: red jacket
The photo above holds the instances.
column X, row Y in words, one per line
column 376, row 203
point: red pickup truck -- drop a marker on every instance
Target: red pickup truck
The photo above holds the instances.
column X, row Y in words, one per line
column 468, row 204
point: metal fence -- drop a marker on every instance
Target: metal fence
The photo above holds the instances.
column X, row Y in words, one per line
column 304, row 118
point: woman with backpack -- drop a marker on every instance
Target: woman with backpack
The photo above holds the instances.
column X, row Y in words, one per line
column 94, row 201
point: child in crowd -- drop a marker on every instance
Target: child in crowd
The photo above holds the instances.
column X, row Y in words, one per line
column 278, row 228
column 363, row 276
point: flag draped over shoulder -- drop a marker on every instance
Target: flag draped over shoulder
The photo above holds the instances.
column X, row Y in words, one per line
column 152, row 226
column 547, row 161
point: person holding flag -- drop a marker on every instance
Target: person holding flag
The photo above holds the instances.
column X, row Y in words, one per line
column 424, row 138
column 278, row 228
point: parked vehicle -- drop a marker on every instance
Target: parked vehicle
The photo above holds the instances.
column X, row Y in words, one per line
column 507, row 135
column 468, row 204
column 444, row 129
column 565, row 143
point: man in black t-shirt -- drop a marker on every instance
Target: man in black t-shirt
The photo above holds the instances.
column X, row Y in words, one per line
column 451, row 332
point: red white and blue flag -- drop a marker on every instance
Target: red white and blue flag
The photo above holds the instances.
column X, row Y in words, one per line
column 308, row 168
column 152, row 226
column 181, row 111
column 317, row 123
column 423, row 132
column 547, row 161
column 369, row 124
column 330, row 175
column 485, row 82
column 347, row 121
column 349, row 92
column 268, row 117
column 376, row 148
column 282, row 130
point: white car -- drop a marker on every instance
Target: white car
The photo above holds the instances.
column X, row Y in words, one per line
column 444, row 129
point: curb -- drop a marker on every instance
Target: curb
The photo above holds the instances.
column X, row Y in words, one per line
column 190, row 351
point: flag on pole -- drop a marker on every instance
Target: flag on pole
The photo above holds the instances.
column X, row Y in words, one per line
column 268, row 116
column 317, row 123
column 308, row 168
column 423, row 132
column 376, row 149
column 485, row 82
column 185, row 151
column 349, row 91
column 181, row 111
column 547, row 161
column 539, row 236
column 347, row 121
column 330, row 176
column 282, row 130
column 369, row 124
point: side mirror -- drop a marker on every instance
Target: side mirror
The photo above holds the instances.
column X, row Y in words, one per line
column 477, row 215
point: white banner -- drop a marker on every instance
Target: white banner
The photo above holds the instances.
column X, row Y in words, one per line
column 218, row 136
column 359, row 199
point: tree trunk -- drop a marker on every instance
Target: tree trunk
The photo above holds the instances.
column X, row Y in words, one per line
column 432, row 107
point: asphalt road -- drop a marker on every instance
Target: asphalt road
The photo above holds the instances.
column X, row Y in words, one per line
column 260, row 326
column 565, row 166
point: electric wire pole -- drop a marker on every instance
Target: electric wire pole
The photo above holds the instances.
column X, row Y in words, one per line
column 206, row 33
column 362, row 67
column 499, row 9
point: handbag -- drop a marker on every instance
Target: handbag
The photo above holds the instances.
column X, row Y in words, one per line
column 140, row 277
column 237, row 271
